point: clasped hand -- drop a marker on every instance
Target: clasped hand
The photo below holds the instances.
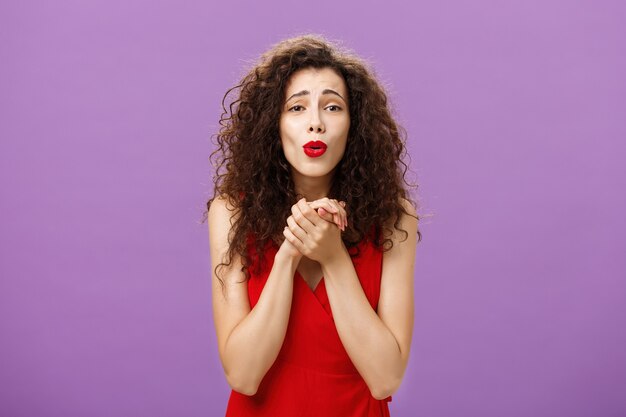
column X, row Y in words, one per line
column 316, row 234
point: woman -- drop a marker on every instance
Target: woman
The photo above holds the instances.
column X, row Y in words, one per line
column 312, row 238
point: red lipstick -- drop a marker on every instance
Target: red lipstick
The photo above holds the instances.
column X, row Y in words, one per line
column 314, row 148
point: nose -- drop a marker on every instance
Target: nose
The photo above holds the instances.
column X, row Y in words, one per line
column 316, row 124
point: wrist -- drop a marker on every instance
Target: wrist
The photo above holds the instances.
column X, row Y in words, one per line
column 287, row 256
column 337, row 257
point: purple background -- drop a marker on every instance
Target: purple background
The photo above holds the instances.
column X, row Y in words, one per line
column 515, row 113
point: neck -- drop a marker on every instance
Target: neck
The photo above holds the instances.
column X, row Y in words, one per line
column 312, row 188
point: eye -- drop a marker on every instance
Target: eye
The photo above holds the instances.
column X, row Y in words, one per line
column 293, row 107
column 334, row 105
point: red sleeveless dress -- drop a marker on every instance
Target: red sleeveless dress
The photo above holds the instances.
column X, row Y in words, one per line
column 313, row 375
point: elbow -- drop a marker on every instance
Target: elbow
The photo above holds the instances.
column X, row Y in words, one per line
column 249, row 390
column 381, row 394
column 389, row 384
column 245, row 389
column 243, row 386
column 383, row 391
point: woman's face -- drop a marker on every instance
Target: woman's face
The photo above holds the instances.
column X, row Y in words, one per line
column 314, row 121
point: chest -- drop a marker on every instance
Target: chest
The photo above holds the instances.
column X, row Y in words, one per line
column 310, row 271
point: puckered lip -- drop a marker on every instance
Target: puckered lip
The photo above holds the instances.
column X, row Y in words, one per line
column 315, row 144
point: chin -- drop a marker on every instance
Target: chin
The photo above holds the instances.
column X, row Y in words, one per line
column 312, row 172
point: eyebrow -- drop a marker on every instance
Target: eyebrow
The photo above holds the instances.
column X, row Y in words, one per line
column 305, row 92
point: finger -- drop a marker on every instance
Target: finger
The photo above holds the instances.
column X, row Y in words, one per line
column 308, row 214
column 342, row 213
column 293, row 239
column 328, row 216
column 303, row 220
column 333, row 207
column 324, row 214
column 322, row 203
column 345, row 212
column 329, row 208
column 296, row 229
column 338, row 221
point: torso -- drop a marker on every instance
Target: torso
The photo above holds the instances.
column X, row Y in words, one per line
column 313, row 375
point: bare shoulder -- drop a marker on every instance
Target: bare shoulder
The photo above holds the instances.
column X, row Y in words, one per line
column 222, row 214
column 408, row 206
column 408, row 221
column 221, row 208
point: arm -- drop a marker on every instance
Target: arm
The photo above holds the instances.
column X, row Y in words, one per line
column 378, row 345
column 248, row 340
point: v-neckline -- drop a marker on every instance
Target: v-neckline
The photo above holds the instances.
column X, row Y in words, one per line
column 312, row 290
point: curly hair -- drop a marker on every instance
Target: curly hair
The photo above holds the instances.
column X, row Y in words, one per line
column 369, row 177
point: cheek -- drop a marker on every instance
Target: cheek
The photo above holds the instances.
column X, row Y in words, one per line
column 341, row 154
column 288, row 148
column 287, row 139
column 286, row 142
column 344, row 145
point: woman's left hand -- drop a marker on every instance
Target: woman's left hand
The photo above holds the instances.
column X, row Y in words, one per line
column 313, row 234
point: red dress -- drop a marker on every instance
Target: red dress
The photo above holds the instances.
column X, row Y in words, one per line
column 313, row 375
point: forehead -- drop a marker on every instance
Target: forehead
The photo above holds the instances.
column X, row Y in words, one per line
column 315, row 79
